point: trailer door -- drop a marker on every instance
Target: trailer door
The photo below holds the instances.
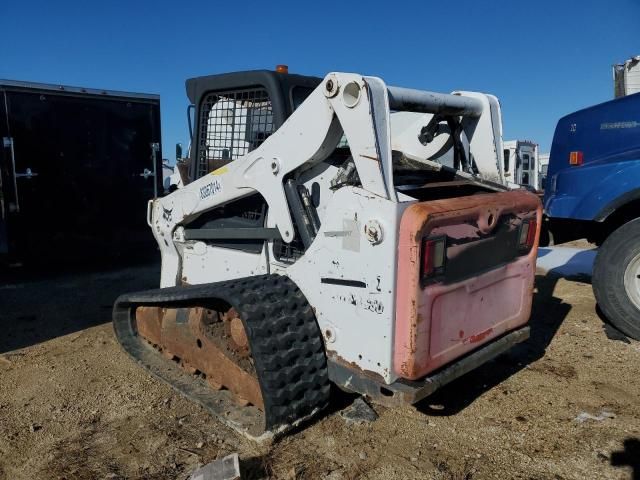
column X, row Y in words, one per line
column 84, row 169
column 529, row 175
column 132, row 166
column 34, row 129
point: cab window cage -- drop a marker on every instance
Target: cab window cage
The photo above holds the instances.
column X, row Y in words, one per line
column 232, row 124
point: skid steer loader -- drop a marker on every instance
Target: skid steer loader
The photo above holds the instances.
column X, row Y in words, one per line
column 332, row 230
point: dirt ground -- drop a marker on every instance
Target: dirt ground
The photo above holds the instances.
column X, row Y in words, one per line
column 564, row 405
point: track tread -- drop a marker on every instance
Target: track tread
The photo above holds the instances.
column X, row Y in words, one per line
column 285, row 340
column 277, row 318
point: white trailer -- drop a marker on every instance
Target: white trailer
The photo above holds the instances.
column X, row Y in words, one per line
column 521, row 163
column 626, row 77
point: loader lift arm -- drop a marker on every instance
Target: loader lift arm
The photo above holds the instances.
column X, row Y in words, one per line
column 343, row 104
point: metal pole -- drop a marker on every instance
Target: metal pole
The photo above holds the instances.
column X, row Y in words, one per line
column 407, row 99
column 155, row 148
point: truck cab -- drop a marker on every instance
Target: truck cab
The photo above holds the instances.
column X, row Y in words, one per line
column 594, row 170
column 593, row 191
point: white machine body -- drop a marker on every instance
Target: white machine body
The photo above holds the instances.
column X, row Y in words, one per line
column 357, row 242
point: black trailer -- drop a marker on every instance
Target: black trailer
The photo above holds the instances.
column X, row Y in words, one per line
column 77, row 167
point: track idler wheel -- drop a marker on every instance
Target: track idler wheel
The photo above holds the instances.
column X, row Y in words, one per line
column 205, row 342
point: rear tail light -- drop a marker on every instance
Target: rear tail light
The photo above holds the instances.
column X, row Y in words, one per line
column 527, row 235
column 434, row 253
column 576, row 158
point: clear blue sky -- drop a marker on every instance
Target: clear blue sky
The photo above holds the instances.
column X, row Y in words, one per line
column 543, row 59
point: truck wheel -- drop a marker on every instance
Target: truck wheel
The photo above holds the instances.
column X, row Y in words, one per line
column 616, row 278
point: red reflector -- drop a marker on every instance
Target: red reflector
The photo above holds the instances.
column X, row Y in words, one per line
column 527, row 234
column 531, row 234
column 433, row 256
column 427, row 257
column 576, row 158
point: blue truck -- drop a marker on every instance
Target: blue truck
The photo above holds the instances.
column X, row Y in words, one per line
column 593, row 192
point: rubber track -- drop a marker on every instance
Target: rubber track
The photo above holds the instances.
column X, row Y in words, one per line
column 286, row 343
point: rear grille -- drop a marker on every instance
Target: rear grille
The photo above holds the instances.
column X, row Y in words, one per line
column 471, row 252
column 232, row 123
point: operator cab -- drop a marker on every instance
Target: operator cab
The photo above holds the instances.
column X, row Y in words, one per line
column 236, row 112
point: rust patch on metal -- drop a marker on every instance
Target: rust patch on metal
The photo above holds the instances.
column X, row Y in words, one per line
column 149, row 323
column 480, row 336
column 472, row 210
column 355, row 367
column 184, row 335
column 238, row 334
column 375, row 159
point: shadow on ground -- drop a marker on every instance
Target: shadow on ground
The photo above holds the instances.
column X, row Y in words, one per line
column 255, row 468
column 570, row 263
column 38, row 305
column 548, row 313
column 629, row 456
